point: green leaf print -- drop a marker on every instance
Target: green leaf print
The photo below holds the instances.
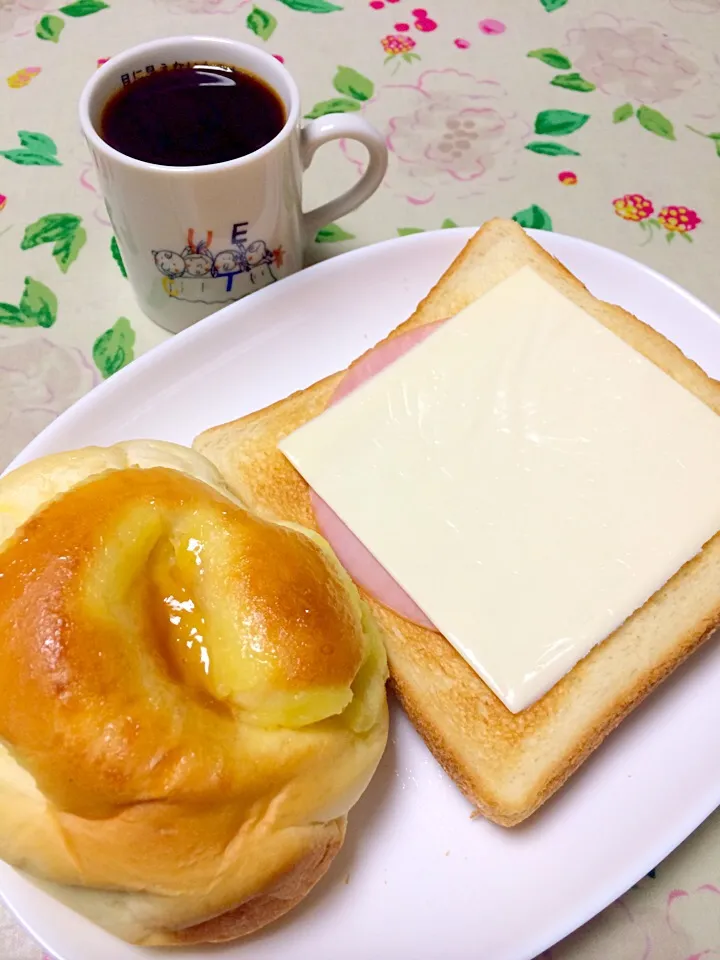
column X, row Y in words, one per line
column 447, row 224
column 25, row 158
column 655, row 122
column 572, row 81
column 12, row 316
column 114, row 349
column 83, row 8
column 534, row 217
column 710, row 136
column 49, row 28
column 551, row 149
column 261, row 23
column 337, row 105
column 37, row 150
column 311, row 6
column 66, row 250
column 48, row 229
column 623, row 113
column 715, row 137
column 38, row 303
column 64, row 230
column 117, row 256
column 37, row 142
column 353, row 84
column 551, row 5
column 333, row 233
column 558, row 123
column 552, row 57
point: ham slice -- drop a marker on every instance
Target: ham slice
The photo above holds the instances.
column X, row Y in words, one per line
column 356, row 558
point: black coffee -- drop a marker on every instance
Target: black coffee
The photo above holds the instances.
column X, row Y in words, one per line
column 192, row 115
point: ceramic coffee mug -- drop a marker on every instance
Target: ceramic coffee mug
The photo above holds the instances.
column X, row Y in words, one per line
column 196, row 238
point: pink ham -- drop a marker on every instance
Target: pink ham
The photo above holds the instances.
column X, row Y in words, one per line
column 357, row 559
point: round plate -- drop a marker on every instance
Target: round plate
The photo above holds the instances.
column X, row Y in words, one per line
column 418, row 877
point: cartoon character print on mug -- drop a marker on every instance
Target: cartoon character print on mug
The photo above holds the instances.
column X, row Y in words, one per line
column 199, row 275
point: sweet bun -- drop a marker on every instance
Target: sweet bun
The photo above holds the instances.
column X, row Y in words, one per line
column 191, row 697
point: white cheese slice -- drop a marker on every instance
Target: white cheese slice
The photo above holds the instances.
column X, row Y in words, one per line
column 526, row 476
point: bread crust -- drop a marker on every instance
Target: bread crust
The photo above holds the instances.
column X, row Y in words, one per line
column 258, row 911
column 506, row 764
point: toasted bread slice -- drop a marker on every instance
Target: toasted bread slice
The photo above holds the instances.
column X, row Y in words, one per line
column 506, row 764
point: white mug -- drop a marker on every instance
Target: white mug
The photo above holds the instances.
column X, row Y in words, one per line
column 196, row 238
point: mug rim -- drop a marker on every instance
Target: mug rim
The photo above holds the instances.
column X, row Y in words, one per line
column 163, row 44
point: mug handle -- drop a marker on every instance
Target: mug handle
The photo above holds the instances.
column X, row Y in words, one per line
column 339, row 126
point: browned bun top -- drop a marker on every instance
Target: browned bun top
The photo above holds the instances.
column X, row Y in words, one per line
column 173, row 666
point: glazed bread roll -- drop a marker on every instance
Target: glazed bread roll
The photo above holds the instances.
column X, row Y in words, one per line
column 191, row 697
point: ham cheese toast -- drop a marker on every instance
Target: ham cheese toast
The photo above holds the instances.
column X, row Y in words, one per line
column 506, row 763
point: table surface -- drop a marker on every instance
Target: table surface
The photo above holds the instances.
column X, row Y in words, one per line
column 597, row 118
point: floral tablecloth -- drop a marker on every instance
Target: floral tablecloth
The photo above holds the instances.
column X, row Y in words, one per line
column 599, row 118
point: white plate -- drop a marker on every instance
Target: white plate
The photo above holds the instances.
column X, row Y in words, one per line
column 423, row 879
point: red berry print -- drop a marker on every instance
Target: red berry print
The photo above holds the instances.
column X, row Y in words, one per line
column 492, row 27
column 393, row 1
column 399, row 49
column 461, row 44
column 680, row 219
column 402, row 27
column 278, row 57
column 633, row 206
column 377, row 4
column 397, row 45
column 426, row 25
column 419, row 13
column 568, row 178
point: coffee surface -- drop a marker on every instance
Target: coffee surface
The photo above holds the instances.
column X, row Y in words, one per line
column 192, row 116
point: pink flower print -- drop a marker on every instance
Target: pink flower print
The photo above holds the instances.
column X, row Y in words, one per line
column 3, row 201
column 623, row 934
column 38, row 380
column 568, row 178
column 450, row 130
column 18, row 17
column 461, row 44
column 693, row 920
column 377, row 4
column 633, row 59
column 491, row 27
column 89, row 182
